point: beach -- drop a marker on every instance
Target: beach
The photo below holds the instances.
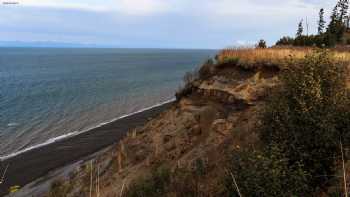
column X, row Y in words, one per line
column 37, row 162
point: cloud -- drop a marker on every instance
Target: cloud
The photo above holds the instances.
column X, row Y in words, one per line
column 157, row 23
column 142, row 7
column 128, row 7
column 255, row 8
column 88, row 5
column 204, row 7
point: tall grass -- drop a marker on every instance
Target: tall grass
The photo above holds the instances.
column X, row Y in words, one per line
column 249, row 57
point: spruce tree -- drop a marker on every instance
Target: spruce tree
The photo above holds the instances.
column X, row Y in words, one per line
column 335, row 30
column 300, row 29
column 347, row 22
column 321, row 22
column 344, row 6
column 344, row 18
column 341, row 19
column 261, row 44
column 332, row 27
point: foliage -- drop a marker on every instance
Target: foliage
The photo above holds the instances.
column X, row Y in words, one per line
column 306, row 41
column 343, row 11
column 265, row 173
column 337, row 25
column 301, row 129
column 321, row 22
column 59, row 189
column 164, row 182
column 261, row 44
column 151, row 186
column 330, row 39
column 335, row 31
column 300, row 29
column 309, row 115
column 229, row 60
column 285, row 40
column 310, row 41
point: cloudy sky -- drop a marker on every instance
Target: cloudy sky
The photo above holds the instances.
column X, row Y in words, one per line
column 156, row 23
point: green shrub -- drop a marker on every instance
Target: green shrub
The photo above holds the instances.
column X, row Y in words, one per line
column 265, row 173
column 184, row 182
column 228, row 61
column 309, row 115
column 59, row 188
column 162, row 182
column 154, row 185
column 302, row 126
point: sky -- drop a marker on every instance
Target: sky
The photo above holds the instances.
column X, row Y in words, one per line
column 211, row 24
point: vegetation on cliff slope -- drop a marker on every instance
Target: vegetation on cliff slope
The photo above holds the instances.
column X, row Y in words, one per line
column 304, row 125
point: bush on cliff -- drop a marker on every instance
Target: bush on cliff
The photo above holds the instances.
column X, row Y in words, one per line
column 60, row 188
column 309, row 116
column 153, row 185
column 264, row 173
column 303, row 125
column 163, row 182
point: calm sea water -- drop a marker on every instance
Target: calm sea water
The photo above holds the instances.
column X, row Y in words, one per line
column 46, row 93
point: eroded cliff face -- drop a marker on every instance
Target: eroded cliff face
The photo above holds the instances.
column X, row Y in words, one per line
column 218, row 115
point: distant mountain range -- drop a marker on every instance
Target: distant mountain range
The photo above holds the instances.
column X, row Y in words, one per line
column 49, row 44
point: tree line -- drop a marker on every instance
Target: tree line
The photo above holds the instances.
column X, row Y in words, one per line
column 328, row 35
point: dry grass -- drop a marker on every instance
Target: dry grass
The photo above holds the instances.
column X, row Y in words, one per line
column 249, row 57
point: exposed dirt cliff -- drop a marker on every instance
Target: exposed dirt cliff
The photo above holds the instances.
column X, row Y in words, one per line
column 216, row 115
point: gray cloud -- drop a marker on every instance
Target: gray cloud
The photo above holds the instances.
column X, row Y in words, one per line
column 182, row 23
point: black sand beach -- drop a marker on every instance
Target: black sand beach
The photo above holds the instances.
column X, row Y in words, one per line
column 36, row 163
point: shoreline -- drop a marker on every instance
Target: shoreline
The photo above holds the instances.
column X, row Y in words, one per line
column 34, row 162
column 76, row 133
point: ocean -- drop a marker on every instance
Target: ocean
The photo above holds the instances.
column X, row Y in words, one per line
column 47, row 94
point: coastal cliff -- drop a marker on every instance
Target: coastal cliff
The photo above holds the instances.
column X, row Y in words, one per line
column 187, row 149
column 219, row 113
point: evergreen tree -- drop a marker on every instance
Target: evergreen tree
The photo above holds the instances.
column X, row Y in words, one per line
column 321, row 22
column 336, row 27
column 344, row 6
column 341, row 20
column 261, row 44
column 332, row 27
column 347, row 22
column 344, row 18
column 300, row 29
